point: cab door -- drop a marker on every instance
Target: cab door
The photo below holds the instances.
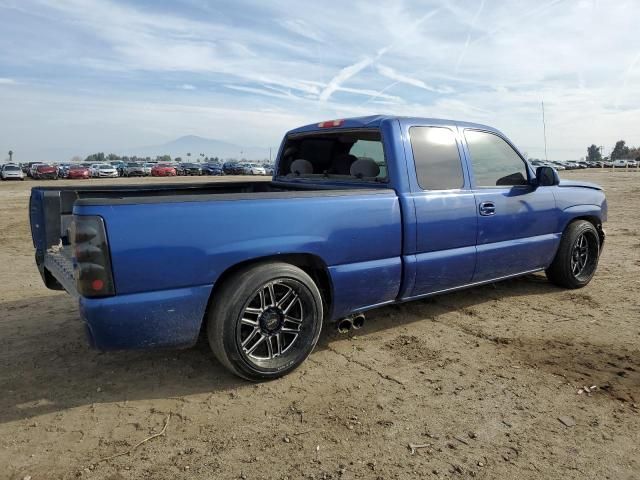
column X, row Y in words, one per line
column 516, row 219
column 445, row 210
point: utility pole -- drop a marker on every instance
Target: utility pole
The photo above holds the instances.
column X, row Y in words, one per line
column 544, row 130
column 10, row 156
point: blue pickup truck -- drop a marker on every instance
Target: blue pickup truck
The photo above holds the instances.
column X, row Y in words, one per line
column 360, row 213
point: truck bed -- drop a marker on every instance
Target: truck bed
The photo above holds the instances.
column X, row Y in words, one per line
column 154, row 228
column 52, row 207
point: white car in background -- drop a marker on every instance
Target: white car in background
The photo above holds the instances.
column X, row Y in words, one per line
column 620, row 163
column 11, row 171
column 103, row 170
column 254, row 169
column 146, row 168
column 632, row 163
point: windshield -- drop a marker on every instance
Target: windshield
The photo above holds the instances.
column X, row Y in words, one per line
column 133, row 165
column 355, row 155
column 11, row 168
column 105, row 167
column 77, row 167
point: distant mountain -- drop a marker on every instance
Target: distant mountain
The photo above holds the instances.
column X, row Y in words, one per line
column 176, row 148
column 197, row 145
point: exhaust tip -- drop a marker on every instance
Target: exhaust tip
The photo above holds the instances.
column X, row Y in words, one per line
column 358, row 321
column 345, row 325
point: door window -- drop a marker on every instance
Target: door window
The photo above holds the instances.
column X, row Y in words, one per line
column 436, row 157
column 494, row 161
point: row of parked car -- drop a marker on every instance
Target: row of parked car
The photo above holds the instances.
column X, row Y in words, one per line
column 571, row 165
column 41, row 171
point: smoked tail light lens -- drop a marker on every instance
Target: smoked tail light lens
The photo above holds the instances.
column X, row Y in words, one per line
column 92, row 262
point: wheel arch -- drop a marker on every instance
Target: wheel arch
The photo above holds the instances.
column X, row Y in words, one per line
column 311, row 264
column 595, row 220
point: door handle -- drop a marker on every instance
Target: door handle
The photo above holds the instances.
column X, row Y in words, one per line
column 487, row 208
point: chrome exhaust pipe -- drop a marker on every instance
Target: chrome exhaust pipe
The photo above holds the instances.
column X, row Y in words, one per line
column 345, row 325
column 358, row 321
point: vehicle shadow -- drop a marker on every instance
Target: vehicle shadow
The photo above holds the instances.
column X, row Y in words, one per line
column 46, row 365
column 432, row 307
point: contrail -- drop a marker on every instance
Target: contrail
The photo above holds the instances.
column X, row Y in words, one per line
column 377, row 94
column 342, row 76
column 350, row 71
column 530, row 13
column 466, row 43
column 627, row 74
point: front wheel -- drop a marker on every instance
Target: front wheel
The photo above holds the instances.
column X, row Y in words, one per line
column 576, row 261
column 265, row 320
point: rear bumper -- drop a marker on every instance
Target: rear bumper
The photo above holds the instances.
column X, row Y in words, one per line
column 168, row 318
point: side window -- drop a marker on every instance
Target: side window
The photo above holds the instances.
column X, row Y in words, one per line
column 435, row 152
column 494, row 161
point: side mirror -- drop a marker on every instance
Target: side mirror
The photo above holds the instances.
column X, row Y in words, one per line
column 547, row 177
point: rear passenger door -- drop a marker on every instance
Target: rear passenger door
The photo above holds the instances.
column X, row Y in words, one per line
column 445, row 210
column 516, row 220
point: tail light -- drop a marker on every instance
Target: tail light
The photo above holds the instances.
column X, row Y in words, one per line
column 92, row 265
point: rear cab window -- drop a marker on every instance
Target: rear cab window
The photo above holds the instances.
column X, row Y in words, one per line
column 348, row 155
column 436, row 157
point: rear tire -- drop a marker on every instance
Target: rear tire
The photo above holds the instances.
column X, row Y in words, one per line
column 577, row 257
column 265, row 320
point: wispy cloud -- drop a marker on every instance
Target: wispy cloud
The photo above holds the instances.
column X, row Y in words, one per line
column 269, row 92
column 302, row 28
column 627, row 74
column 173, row 67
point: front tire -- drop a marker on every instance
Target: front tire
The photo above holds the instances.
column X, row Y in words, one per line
column 576, row 261
column 265, row 320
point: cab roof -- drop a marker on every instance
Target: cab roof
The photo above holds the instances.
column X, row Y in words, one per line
column 375, row 121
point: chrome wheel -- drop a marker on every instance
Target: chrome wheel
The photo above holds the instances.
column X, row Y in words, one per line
column 271, row 323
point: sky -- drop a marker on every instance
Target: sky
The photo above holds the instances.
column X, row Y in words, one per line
column 78, row 76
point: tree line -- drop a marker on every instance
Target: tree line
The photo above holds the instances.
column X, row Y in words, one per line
column 621, row 151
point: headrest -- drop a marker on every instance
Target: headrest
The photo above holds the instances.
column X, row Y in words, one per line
column 342, row 163
column 364, row 167
column 289, row 151
column 301, row 167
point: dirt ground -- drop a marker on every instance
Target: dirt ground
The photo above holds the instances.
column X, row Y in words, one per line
column 478, row 379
